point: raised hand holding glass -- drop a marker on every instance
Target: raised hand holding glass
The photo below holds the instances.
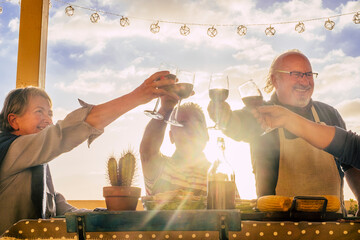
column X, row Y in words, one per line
column 183, row 88
column 154, row 113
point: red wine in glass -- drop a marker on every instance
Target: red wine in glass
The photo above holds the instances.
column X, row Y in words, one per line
column 183, row 90
column 218, row 94
column 250, row 94
column 253, row 101
column 252, row 98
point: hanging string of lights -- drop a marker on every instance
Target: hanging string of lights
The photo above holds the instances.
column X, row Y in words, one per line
column 212, row 30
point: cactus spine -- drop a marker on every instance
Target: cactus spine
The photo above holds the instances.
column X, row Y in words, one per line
column 122, row 174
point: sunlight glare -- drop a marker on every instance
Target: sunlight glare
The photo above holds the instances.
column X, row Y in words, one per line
column 238, row 156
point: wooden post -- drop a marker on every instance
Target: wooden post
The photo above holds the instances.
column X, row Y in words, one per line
column 31, row 64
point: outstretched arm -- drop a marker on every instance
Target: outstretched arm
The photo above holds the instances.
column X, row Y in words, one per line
column 104, row 114
column 153, row 138
column 275, row 116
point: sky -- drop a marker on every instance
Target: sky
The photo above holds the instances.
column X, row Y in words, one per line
column 97, row 62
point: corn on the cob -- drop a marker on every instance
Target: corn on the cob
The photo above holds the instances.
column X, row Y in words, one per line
column 274, row 203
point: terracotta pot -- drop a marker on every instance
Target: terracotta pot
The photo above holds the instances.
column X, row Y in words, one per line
column 120, row 198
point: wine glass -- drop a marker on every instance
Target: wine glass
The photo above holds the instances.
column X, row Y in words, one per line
column 183, row 88
column 218, row 93
column 252, row 97
column 154, row 113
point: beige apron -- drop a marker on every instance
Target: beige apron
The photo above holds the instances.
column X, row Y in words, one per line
column 306, row 170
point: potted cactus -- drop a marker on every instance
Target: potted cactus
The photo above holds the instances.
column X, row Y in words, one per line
column 121, row 195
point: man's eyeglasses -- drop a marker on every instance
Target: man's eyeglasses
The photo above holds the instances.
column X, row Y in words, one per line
column 300, row 74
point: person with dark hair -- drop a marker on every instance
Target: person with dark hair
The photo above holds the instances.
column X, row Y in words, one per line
column 29, row 140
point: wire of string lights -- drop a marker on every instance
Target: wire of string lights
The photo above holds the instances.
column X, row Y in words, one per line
column 212, row 31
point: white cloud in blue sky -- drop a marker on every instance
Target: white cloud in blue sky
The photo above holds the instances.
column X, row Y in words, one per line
column 97, row 62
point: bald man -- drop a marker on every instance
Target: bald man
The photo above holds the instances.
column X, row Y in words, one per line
column 284, row 164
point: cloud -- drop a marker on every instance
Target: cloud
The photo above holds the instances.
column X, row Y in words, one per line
column 255, row 50
column 98, row 47
column 350, row 111
column 333, row 56
column 60, row 113
column 138, row 60
column 83, row 87
column 340, row 75
column 350, row 108
column 14, row 25
column 107, row 81
column 346, row 21
column 100, row 81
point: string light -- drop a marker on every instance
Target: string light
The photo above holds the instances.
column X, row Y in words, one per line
column 300, row 27
column 95, row 17
column 155, row 28
column 184, row 30
column 1, row 10
column 356, row 18
column 241, row 30
column 329, row 25
column 124, row 22
column 270, row 31
column 212, row 32
column 69, row 10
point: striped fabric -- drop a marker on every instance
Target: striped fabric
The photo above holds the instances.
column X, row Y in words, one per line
column 190, row 177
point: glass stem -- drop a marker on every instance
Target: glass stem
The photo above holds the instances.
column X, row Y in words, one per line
column 217, row 117
column 156, row 104
column 177, row 109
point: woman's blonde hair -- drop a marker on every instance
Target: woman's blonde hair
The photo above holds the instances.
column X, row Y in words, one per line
column 16, row 102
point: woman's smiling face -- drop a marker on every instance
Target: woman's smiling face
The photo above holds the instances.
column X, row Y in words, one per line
column 38, row 115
